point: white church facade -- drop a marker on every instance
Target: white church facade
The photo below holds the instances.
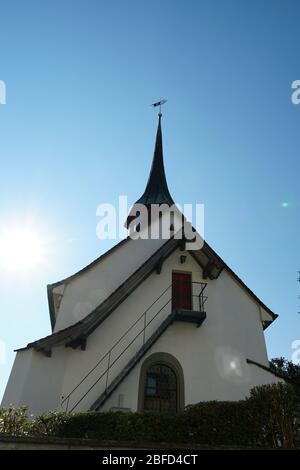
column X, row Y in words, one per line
column 149, row 326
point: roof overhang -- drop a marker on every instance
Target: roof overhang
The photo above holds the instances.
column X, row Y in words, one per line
column 76, row 334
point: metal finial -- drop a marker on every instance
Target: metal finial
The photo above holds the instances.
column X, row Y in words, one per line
column 159, row 103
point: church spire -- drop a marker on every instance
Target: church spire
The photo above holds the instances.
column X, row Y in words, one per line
column 157, row 191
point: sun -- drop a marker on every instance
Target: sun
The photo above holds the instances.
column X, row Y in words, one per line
column 21, row 249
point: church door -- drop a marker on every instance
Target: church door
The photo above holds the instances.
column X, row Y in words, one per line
column 181, row 291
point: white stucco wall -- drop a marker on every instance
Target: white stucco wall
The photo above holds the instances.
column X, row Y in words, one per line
column 213, row 356
column 84, row 293
column 36, row 380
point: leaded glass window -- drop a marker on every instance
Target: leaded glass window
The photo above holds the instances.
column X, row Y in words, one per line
column 160, row 389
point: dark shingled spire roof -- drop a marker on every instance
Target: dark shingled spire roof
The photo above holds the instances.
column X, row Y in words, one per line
column 157, row 191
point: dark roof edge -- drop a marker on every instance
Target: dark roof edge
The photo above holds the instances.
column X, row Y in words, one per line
column 88, row 266
column 51, row 306
column 239, row 280
column 64, row 333
column 268, row 369
column 254, row 296
column 76, row 325
column 52, row 286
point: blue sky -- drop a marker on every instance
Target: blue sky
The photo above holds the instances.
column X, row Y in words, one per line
column 77, row 130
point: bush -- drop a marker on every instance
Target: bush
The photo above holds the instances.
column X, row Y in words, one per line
column 110, row 426
column 275, row 412
column 287, row 369
column 49, row 424
column 268, row 418
column 14, row 421
column 220, row 423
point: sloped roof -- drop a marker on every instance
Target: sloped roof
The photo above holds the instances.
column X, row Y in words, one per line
column 76, row 334
column 68, row 279
column 156, row 192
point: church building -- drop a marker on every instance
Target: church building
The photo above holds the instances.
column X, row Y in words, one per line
column 151, row 325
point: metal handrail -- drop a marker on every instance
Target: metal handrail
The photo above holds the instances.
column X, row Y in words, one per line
column 117, row 358
column 202, row 300
column 115, row 344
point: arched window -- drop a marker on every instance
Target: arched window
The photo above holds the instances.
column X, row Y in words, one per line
column 161, row 384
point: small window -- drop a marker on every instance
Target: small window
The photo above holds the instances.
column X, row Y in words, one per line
column 160, row 389
column 151, row 386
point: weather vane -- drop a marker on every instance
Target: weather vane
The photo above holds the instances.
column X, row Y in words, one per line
column 159, row 103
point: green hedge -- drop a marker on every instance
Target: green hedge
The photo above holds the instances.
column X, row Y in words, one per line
column 268, row 418
column 111, row 426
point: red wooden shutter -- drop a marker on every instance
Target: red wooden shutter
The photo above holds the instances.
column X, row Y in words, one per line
column 181, row 291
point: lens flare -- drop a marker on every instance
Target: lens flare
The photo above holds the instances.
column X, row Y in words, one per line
column 21, row 249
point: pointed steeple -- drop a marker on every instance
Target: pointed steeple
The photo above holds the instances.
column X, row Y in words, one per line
column 157, row 191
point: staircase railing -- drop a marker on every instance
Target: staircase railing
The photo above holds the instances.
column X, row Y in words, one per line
column 200, row 296
column 108, row 354
column 142, row 332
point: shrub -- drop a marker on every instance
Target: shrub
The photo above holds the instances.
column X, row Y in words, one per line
column 219, row 423
column 14, row 421
column 268, row 418
column 49, row 424
column 119, row 426
column 287, row 369
column 275, row 412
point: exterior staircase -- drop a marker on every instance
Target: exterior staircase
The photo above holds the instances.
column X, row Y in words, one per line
column 191, row 316
column 132, row 363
